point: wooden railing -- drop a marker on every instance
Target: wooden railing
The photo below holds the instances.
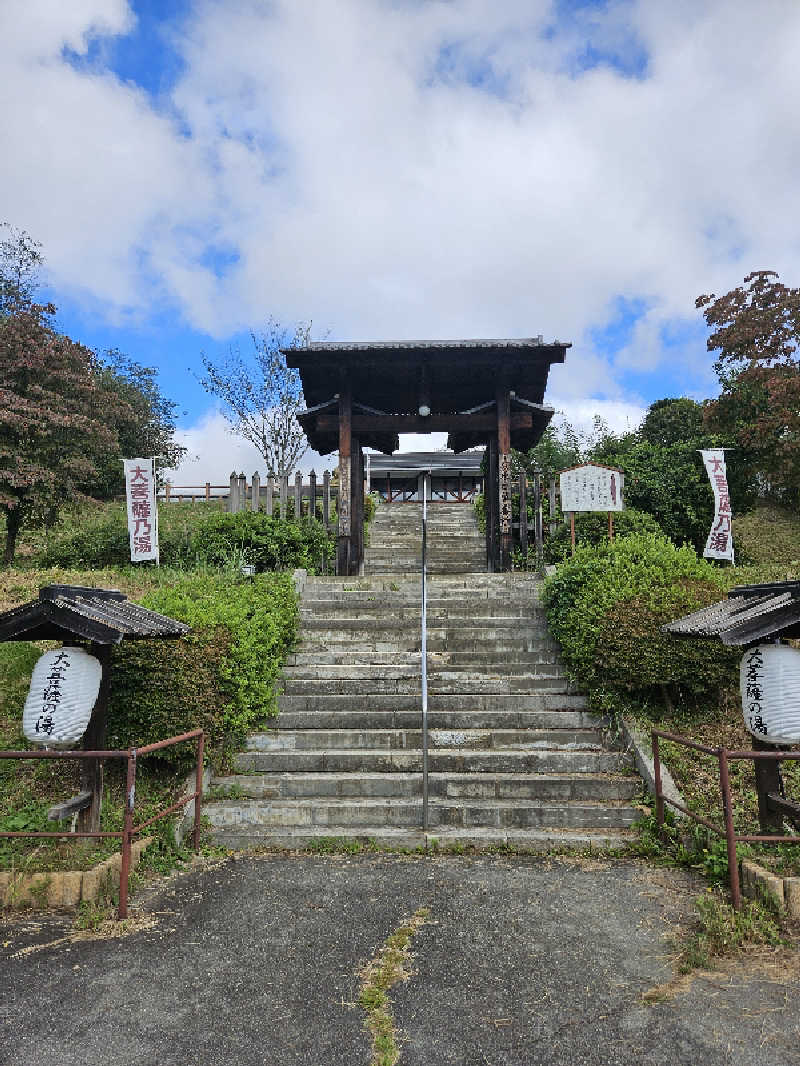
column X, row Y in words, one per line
column 280, row 496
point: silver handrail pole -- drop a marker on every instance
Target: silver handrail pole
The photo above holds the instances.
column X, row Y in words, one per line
column 424, row 650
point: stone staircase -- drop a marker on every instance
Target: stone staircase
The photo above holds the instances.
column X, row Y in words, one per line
column 515, row 758
column 455, row 544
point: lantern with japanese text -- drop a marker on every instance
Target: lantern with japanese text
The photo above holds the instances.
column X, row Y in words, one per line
column 770, row 687
column 64, row 688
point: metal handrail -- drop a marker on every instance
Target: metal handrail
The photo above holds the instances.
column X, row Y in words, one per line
column 424, row 650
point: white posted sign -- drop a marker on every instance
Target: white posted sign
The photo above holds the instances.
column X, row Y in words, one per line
column 591, row 488
column 720, row 540
column 140, row 489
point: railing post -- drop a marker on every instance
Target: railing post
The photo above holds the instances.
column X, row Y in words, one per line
column 312, row 495
column 298, row 496
column 241, row 496
column 208, row 492
column 125, row 865
column 270, row 494
column 538, row 532
column 198, row 800
column 284, row 493
column 167, row 487
column 326, row 499
column 730, row 835
column 255, row 500
column 424, row 652
column 657, row 777
column 232, row 493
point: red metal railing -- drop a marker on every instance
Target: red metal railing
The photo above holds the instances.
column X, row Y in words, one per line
column 724, row 757
column 129, row 830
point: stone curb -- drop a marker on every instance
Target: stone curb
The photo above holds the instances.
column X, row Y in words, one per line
column 785, row 891
column 185, row 824
column 641, row 746
column 299, row 579
column 66, row 888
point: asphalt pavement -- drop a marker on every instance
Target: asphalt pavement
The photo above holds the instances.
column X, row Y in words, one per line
column 257, row 960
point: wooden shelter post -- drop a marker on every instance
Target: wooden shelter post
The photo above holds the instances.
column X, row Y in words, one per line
column 356, row 506
column 504, row 476
column 490, row 498
column 343, row 504
column 94, row 739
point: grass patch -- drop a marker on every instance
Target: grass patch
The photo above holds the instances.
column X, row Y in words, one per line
column 389, row 966
column 719, row 931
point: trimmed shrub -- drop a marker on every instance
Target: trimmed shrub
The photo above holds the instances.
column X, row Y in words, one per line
column 266, row 542
column 606, row 606
column 591, row 528
column 220, row 677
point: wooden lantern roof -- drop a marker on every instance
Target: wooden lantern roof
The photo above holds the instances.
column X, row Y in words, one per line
column 750, row 614
column 459, row 379
column 74, row 612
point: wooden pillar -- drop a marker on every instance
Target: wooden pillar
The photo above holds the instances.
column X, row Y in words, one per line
column 523, row 514
column 768, row 779
column 356, row 506
column 504, row 476
column 552, row 502
column 255, row 499
column 208, row 491
column 298, row 496
column 490, row 504
column 270, row 493
column 241, row 495
column 94, row 739
column 312, row 495
column 284, row 494
column 232, row 492
column 537, row 520
column 343, row 531
column 326, row 499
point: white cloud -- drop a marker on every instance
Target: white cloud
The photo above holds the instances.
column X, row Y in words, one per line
column 342, row 153
column 214, row 452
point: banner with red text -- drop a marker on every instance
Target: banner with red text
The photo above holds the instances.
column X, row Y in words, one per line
column 140, row 489
column 720, row 540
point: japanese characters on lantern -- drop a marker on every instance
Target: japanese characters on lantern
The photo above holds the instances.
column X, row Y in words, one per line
column 720, row 539
column 140, row 486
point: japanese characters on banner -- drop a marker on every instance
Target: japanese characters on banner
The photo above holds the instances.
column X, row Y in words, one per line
column 64, row 687
column 591, row 488
column 140, row 487
column 720, row 540
column 504, row 474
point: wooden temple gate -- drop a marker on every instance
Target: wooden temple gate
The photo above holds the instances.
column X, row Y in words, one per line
column 480, row 392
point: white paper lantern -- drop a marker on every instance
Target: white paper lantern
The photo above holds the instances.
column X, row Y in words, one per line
column 63, row 691
column 769, row 679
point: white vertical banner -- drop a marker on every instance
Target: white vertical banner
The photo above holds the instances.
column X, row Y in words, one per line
column 140, row 490
column 720, row 540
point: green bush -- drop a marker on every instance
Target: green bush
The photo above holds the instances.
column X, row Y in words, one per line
column 220, row 677
column 591, row 528
column 266, row 542
column 606, row 606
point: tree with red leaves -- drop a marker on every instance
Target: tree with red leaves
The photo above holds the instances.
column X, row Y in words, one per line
column 55, row 423
column 756, row 333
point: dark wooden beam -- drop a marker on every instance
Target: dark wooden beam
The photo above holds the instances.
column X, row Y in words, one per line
column 490, row 504
column 435, row 423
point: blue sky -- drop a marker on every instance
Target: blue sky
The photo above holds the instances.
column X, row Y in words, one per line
column 403, row 169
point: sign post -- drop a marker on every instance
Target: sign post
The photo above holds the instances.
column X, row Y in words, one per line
column 591, row 487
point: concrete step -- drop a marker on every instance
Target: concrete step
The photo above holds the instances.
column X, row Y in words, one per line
column 444, row 838
column 580, row 787
column 464, row 814
column 451, row 683
column 473, row 739
column 448, row 720
column 488, row 657
column 453, row 703
column 440, row 760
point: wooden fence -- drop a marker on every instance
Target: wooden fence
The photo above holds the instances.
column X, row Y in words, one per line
column 280, row 496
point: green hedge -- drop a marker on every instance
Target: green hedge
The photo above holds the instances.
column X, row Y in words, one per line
column 606, row 606
column 189, row 538
column 220, row 678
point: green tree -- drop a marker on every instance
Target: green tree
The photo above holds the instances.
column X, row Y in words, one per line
column 261, row 396
column 20, row 260
column 55, row 423
column 145, row 421
column 755, row 331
